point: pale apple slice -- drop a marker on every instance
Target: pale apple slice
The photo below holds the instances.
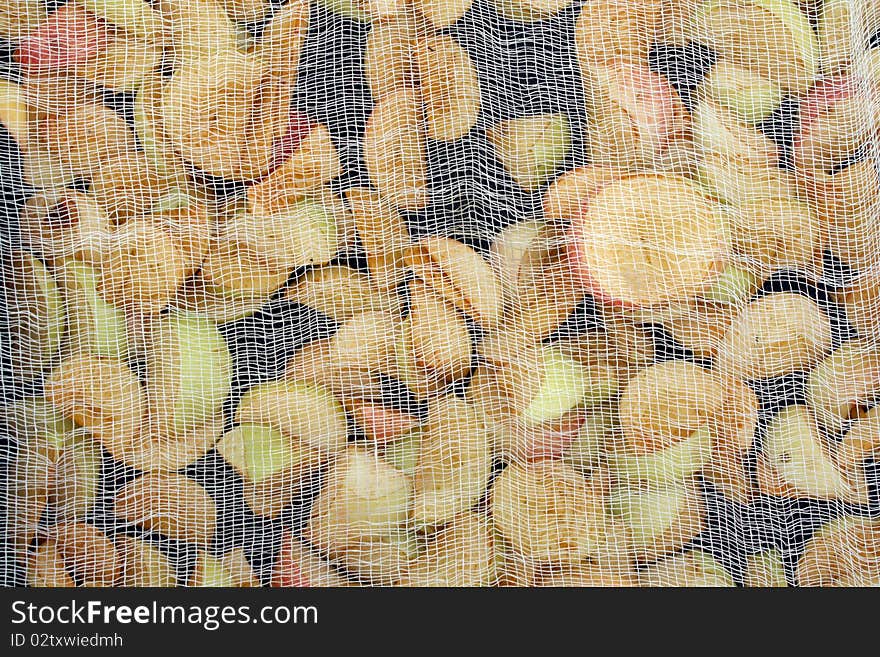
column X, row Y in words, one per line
column 100, row 394
column 675, row 463
column 189, row 371
column 124, row 63
column 588, row 575
column 666, row 403
column 728, row 181
column 35, row 316
column 247, row 11
column 170, row 504
column 566, row 196
column 459, row 274
column 88, row 554
column 449, row 85
column 795, row 462
column 461, row 554
column 772, row 38
column 307, row 414
column 764, row 570
column 144, row 565
column 692, row 569
column 18, row 17
column 516, row 250
column 774, row 336
column 30, row 484
column 77, row 475
column 364, row 499
column 630, row 253
column 861, row 301
column 588, row 447
column 403, row 453
column 661, row 517
column 634, row 114
column 394, row 149
column 199, row 298
column 61, row 224
column 860, row 444
column 548, row 511
column 147, row 114
column 36, row 422
column 607, row 29
column 229, row 570
column 134, row 16
column 529, row 11
column 198, row 28
column 390, row 54
column 719, row 133
column 844, row 384
column 443, row 13
column 531, row 148
column 749, row 96
column 93, row 325
column 282, row 39
column 455, row 462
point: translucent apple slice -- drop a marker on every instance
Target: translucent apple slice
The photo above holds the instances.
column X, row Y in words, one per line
column 35, row 422
column 764, row 570
column 198, row 297
column 531, row 148
column 449, row 85
column 389, row 55
column 665, row 403
column 170, row 504
column 460, row 554
column 547, row 512
column 45, row 568
column 87, row 553
column 675, row 463
column 403, row 453
column 302, row 413
column 774, row 336
column 772, row 38
column 35, row 316
column 455, row 462
column 394, row 149
column 749, row 96
column 719, row 133
column 795, row 462
column 844, row 384
column 458, row 273
column 692, row 569
column 100, row 394
column 144, row 565
column 606, row 29
column 230, row 570
column 627, row 255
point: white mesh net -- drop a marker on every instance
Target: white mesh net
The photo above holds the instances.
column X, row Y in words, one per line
column 440, row 292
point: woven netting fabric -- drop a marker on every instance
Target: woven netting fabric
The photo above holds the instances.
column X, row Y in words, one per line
column 440, row 292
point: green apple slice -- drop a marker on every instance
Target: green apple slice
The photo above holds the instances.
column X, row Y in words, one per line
column 733, row 285
column 748, row 95
column 588, row 446
column 144, row 564
column 189, row 371
column 257, row 452
column 77, row 474
column 764, row 569
column 403, row 453
column 793, row 448
column 92, row 324
column 531, row 148
column 34, row 420
column 846, row 380
column 649, row 511
column 675, row 463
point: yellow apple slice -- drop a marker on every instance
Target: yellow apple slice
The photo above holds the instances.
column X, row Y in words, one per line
column 606, row 30
column 693, row 569
column 443, row 13
column 449, row 85
column 281, row 41
column 844, row 384
column 460, row 554
column 531, row 148
column 144, row 564
column 647, row 240
column 339, row 292
column 842, row 553
column 860, row 444
column 764, row 570
column 389, row 55
column 77, row 475
column 529, row 11
column 45, row 568
column 18, row 17
column 124, row 63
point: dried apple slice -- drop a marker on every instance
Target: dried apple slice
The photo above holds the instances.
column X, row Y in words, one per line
column 844, row 384
column 57, row 225
column 860, row 444
column 297, row 566
column 844, row 31
column 35, row 316
column 764, row 570
column 147, row 115
column 127, row 186
column 666, row 403
column 531, row 148
column 566, row 196
column 46, row 569
column 458, row 273
column 529, row 11
column 19, row 17
column 726, row 180
column 230, row 570
column 449, row 85
column 455, row 462
column 339, row 292
column 588, row 575
column 143, row 564
column 718, row 133
column 137, row 17
column 77, row 474
column 88, row 554
column 695, row 568
column 675, row 463
column 842, row 553
column 749, row 96
column 124, row 63
column 390, row 52
column 606, row 30
column 394, row 149
column 199, row 298
column 443, row 13
column 460, row 554
column 631, row 253
column 774, row 336
column 198, row 28
column 170, row 504
column 772, row 38
column 99, row 394
column 31, row 482
column 698, row 325
column 281, row 41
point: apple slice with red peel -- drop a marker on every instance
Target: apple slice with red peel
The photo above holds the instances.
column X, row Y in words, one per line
column 844, row 384
column 70, row 36
column 774, row 336
column 35, row 316
column 796, row 463
column 297, row 566
column 771, row 38
column 382, row 424
column 628, row 253
column 566, row 196
column 449, row 85
column 634, row 114
column 394, row 149
column 143, row 564
column 531, row 148
column 749, row 96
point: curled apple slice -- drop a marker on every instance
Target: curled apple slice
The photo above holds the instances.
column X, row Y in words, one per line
column 124, row 63
column 147, row 114
column 676, row 463
column 588, row 575
column 749, row 96
column 719, row 133
column 665, row 403
column 99, row 394
column 455, row 462
column 844, row 384
column 143, row 564
column 449, row 85
column 394, row 149
column 198, row 28
column 606, row 29
column 339, row 292
column 456, row 272
column 728, row 181
column 460, row 554
column 389, row 55
column 230, row 570
column 566, row 196
column 774, row 336
column 281, row 41
column 795, row 462
column 136, row 17
column 698, row 325
column 31, row 483
column 383, row 234
column 531, row 148
column 45, row 568
column 634, row 114
column 628, row 255
column 589, row 445
column 298, row 566
column 860, row 444
column 87, row 553
column 443, row 13
column 127, row 186
column 695, row 568
column 547, row 511
column 861, row 301
column 170, row 504
column 772, row 38
column 77, row 474
column 842, row 553
column 764, row 570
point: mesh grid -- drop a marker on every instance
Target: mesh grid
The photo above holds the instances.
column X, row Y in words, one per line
column 440, row 292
